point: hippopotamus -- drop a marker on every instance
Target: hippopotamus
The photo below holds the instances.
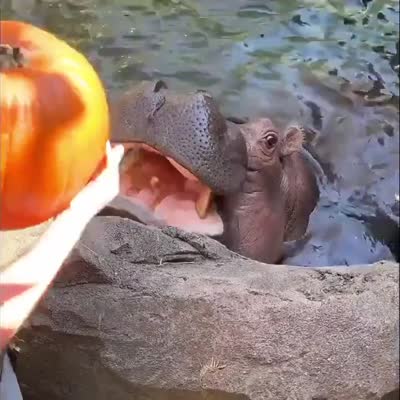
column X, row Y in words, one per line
column 248, row 184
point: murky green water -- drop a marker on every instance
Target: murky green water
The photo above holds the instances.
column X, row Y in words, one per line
column 330, row 65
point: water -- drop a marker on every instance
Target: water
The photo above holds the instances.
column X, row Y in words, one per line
column 330, row 65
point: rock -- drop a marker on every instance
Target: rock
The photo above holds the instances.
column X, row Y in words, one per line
column 123, row 207
column 145, row 313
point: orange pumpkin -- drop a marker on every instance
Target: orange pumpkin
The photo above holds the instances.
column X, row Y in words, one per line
column 54, row 124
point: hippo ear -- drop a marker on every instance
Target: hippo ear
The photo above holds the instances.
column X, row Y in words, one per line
column 293, row 141
column 301, row 192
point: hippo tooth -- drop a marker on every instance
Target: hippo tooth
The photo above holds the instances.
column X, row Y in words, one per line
column 154, row 181
column 203, row 202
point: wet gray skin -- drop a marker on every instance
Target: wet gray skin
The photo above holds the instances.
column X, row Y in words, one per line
column 186, row 127
column 267, row 187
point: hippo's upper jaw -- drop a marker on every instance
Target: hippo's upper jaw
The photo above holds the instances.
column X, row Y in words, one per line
column 179, row 154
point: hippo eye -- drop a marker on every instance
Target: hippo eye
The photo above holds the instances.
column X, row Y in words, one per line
column 270, row 140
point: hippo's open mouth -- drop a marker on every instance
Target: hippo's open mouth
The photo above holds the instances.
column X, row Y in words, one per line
column 169, row 191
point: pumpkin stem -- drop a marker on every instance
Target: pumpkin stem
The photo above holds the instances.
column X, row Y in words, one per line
column 10, row 57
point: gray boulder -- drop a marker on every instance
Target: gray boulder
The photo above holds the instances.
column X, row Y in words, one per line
column 145, row 313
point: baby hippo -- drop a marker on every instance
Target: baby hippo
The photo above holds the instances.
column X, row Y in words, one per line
column 246, row 183
column 277, row 196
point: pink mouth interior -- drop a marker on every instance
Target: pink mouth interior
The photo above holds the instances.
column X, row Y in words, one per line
column 172, row 194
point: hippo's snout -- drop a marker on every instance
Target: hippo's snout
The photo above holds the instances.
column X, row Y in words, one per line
column 188, row 128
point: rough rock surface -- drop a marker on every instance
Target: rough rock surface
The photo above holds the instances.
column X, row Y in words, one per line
column 143, row 313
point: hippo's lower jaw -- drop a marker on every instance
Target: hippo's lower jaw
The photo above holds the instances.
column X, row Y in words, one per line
column 170, row 193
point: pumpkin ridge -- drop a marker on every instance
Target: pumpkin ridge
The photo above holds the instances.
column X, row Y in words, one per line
column 55, row 112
